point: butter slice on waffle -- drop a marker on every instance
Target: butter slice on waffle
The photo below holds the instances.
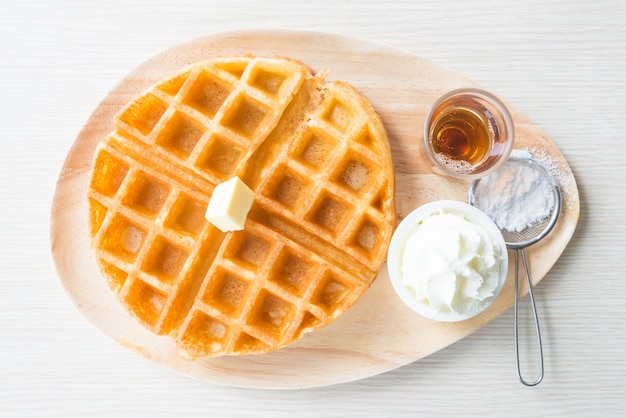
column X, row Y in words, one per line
column 315, row 154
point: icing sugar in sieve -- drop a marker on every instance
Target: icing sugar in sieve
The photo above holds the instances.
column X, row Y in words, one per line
column 523, row 199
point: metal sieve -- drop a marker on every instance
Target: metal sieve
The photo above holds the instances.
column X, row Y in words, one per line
column 518, row 241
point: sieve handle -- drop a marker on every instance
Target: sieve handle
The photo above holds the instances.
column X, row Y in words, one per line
column 536, row 319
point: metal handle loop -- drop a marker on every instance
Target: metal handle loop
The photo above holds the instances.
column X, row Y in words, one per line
column 536, row 319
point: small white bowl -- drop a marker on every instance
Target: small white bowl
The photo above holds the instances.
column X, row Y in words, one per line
column 396, row 247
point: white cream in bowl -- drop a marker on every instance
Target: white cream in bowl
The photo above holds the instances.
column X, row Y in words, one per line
column 447, row 261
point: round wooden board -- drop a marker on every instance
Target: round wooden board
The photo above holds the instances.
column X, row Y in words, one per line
column 377, row 334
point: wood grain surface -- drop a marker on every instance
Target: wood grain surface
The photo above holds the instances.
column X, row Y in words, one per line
column 379, row 333
column 559, row 62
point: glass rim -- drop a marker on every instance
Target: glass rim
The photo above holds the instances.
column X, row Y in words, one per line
column 502, row 112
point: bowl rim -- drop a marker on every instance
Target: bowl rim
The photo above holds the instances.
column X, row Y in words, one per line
column 470, row 213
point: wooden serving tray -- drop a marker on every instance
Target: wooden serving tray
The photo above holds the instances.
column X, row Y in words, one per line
column 378, row 333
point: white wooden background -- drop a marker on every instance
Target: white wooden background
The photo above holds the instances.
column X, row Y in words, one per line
column 562, row 63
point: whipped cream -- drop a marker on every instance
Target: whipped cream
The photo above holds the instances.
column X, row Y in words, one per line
column 450, row 265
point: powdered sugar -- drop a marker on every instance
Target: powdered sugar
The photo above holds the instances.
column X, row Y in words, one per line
column 518, row 196
column 559, row 171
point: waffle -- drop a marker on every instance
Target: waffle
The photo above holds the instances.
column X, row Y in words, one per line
column 315, row 154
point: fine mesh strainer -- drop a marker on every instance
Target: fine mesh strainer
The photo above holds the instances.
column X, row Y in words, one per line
column 483, row 191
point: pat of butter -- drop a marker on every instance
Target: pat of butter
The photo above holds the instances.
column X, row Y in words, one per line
column 229, row 205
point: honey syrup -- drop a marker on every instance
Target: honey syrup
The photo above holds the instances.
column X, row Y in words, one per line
column 462, row 134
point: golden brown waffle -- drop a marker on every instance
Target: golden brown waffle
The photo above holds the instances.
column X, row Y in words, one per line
column 318, row 159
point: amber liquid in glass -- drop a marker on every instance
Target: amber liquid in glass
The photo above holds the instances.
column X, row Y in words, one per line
column 462, row 134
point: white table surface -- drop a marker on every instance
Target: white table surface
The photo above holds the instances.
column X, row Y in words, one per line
column 562, row 63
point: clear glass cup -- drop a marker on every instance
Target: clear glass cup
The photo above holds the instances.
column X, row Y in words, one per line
column 468, row 133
